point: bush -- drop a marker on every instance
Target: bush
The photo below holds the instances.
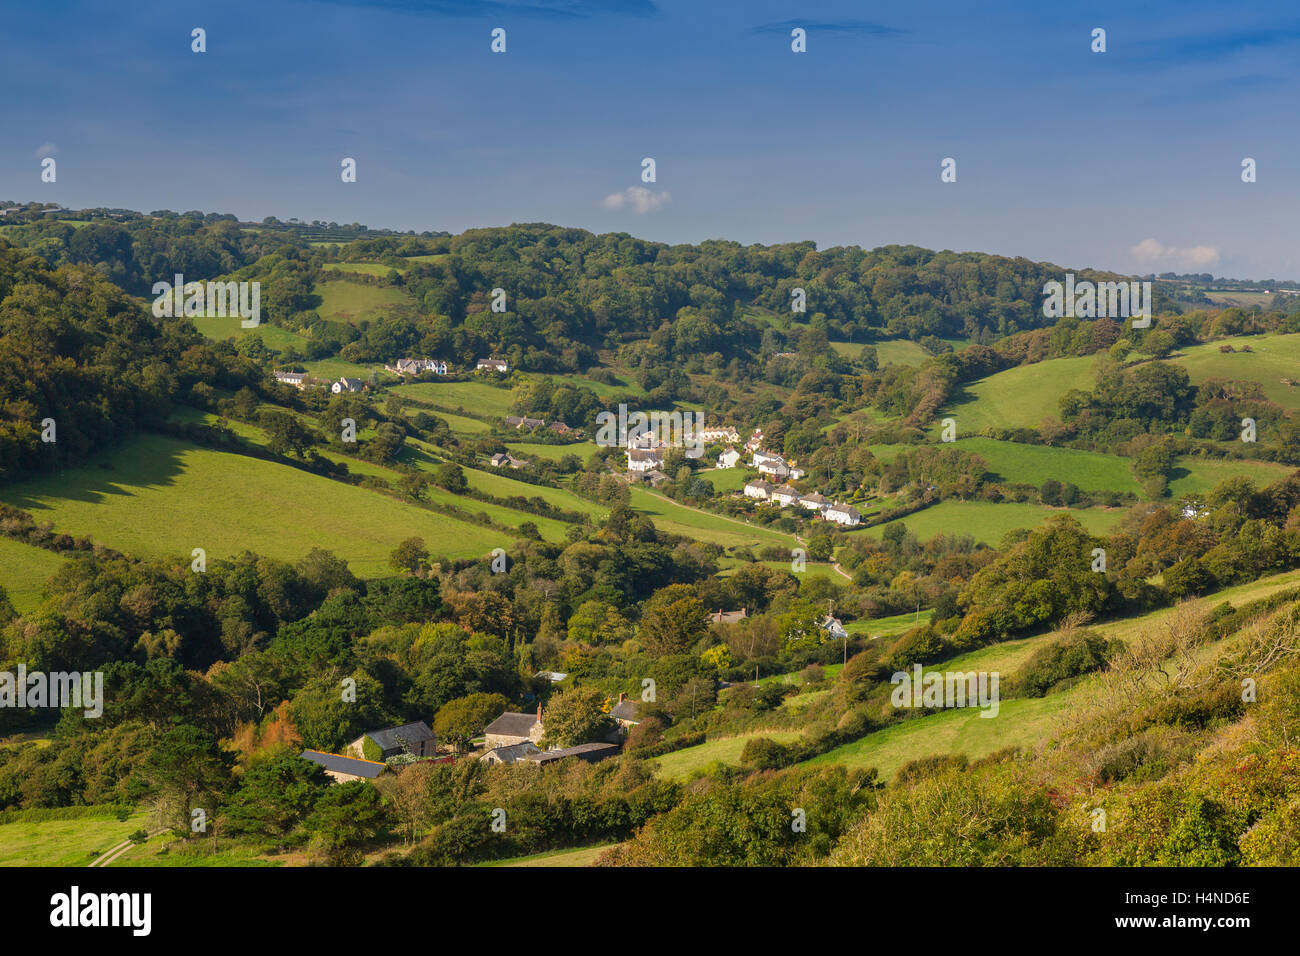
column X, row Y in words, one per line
column 1070, row 657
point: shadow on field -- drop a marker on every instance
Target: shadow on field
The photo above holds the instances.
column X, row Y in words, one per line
column 149, row 461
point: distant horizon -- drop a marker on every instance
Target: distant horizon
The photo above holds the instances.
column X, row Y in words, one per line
column 388, row 230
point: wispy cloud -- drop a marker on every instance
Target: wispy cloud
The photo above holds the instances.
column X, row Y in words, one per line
column 1157, row 257
column 833, row 28
column 45, row 149
column 638, row 199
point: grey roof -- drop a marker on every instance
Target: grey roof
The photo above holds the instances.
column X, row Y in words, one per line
column 512, row 752
column 624, row 711
column 341, row 764
column 388, row 738
column 582, row 750
column 512, row 725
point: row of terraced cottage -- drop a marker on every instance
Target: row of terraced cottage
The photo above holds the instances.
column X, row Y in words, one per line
column 513, row 738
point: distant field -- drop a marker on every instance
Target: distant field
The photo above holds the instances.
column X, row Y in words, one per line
column 893, row 351
column 272, row 336
column 343, row 301
column 24, row 570
column 164, row 498
column 680, row 764
column 726, row 479
column 988, row 522
column 458, row 423
column 889, row 626
column 1197, row 476
column 1035, row 464
column 363, row 268
column 1270, row 359
column 1020, row 397
column 528, row 449
column 1241, row 300
column 332, row 369
column 703, row 526
column 478, row 397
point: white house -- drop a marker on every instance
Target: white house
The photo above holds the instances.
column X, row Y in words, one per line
column 296, row 379
column 757, row 489
column 834, row 629
column 643, row 459
column 842, row 514
column 492, row 365
column 347, row 385
column 727, row 434
column 773, row 469
column 414, row 366
column 755, row 440
column 814, row 502
column 785, row 495
column 729, row 458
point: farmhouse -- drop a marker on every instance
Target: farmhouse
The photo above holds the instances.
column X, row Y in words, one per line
column 784, row 495
column 833, row 628
column 413, row 366
column 727, row 434
column 511, row 728
column 561, row 429
column 642, row 460
column 499, row 459
column 296, row 379
column 345, row 769
column 814, row 502
column 842, row 514
column 347, row 385
column 492, row 365
column 729, row 458
column 416, row 739
column 624, row 712
column 758, row 489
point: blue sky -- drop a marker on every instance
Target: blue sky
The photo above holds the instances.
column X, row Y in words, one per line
column 1127, row 160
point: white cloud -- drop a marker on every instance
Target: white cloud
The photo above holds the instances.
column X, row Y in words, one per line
column 46, row 149
column 638, row 199
column 1157, row 257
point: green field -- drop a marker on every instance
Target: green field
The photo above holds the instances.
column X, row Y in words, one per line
column 64, row 842
column 680, row 764
column 1034, row 464
column 988, row 522
column 674, row 518
column 585, row 856
column 363, row 268
column 530, row 450
column 272, row 336
column 1271, row 358
column 479, row 398
column 1020, row 397
column 726, row 479
column 343, row 301
column 24, row 570
column 164, row 498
